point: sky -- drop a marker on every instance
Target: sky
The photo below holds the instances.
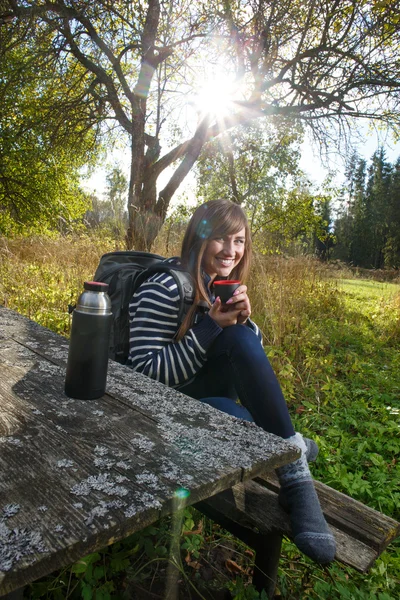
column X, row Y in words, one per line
column 367, row 142
column 311, row 163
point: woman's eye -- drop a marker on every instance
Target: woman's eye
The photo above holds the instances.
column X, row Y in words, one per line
column 240, row 241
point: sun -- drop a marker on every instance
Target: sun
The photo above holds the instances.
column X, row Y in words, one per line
column 216, row 96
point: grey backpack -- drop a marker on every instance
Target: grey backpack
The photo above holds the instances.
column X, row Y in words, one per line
column 125, row 272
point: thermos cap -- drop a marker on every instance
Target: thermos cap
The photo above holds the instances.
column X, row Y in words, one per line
column 94, row 298
column 95, row 286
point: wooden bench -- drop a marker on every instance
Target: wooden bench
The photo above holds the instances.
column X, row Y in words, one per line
column 251, row 512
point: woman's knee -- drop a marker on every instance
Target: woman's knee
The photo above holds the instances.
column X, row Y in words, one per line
column 241, row 333
column 240, row 338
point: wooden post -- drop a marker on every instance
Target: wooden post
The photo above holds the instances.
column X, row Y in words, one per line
column 268, row 551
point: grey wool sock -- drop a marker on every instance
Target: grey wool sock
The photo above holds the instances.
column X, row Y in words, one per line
column 312, row 449
column 299, row 498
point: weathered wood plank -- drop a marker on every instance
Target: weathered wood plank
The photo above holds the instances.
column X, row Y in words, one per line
column 75, row 491
column 78, row 475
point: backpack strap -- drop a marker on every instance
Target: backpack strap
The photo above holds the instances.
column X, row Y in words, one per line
column 186, row 289
column 183, row 280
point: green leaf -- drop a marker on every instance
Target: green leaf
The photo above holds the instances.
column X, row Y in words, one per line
column 118, row 563
column 98, row 573
column 82, row 564
column 86, row 591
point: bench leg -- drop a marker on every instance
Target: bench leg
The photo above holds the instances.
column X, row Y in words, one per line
column 268, row 551
column 15, row 595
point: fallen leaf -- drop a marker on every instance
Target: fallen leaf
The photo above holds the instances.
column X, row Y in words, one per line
column 233, row 567
column 194, row 564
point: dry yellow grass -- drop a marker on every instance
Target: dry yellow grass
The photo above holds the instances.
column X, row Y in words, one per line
column 39, row 276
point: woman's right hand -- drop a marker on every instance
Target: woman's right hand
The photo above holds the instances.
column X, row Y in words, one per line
column 222, row 316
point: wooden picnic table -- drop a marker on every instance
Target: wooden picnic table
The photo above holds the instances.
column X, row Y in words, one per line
column 78, row 475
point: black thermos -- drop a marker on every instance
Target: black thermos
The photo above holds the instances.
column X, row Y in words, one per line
column 88, row 346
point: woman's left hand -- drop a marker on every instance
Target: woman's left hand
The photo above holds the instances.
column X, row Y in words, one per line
column 241, row 301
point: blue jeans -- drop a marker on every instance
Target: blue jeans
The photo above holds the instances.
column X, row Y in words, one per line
column 237, row 367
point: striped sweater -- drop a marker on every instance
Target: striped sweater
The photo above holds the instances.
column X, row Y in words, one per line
column 153, row 318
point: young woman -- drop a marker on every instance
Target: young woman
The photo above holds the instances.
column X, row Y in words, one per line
column 216, row 355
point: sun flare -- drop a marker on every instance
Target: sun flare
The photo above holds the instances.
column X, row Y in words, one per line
column 216, row 97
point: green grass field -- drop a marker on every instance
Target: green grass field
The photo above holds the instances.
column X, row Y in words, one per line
column 369, row 290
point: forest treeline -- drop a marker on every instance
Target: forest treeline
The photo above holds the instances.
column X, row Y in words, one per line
column 367, row 231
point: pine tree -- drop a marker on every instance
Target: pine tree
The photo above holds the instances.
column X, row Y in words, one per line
column 377, row 208
column 392, row 247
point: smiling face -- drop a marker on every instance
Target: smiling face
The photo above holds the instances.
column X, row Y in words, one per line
column 223, row 254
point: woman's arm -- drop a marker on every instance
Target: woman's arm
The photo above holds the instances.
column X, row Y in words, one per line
column 153, row 315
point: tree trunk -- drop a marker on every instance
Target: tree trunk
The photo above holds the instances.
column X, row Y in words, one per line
column 133, row 237
column 144, row 223
column 145, row 226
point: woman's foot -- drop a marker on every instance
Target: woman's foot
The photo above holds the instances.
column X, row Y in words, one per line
column 310, row 531
column 298, row 497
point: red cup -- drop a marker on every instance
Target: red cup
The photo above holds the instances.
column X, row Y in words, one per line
column 225, row 288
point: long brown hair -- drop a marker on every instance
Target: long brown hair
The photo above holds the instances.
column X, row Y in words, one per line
column 216, row 218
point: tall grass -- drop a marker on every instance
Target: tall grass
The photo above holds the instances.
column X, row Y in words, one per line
column 334, row 344
column 40, row 277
